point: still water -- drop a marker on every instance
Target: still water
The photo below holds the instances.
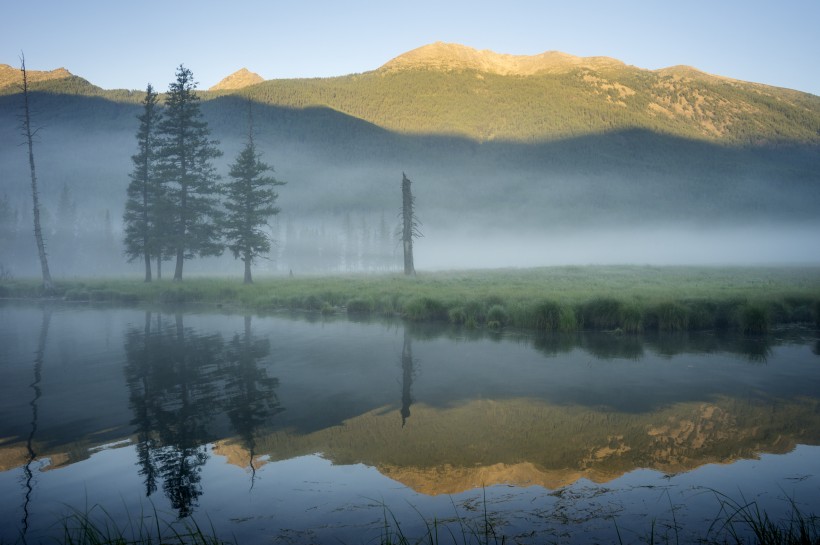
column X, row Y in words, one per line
column 302, row 429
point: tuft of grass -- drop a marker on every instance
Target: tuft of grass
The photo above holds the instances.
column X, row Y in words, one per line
column 497, row 316
column 461, row 531
column 457, row 316
column 667, row 316
column 360, row 306
column 603, row 313
column 425, row 309
column 632, row 320
column 740, row 519
column 546, row 316
column 97, row 527
column 754, row 319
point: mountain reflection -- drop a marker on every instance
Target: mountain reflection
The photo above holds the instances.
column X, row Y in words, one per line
column 179, row 382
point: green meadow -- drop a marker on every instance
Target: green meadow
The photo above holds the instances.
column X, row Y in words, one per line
column 625, row 298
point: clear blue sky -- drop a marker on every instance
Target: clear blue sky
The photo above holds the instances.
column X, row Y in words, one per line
column 126, row 44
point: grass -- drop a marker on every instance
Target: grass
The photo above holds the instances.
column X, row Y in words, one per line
column 738, row 522
column 461, row 531
column 622, row 298
column 740, row 519
column 97, row 527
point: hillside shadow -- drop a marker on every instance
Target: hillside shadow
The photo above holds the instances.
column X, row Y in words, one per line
column 337, row 162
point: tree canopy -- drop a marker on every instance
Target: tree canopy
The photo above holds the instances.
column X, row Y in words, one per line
column 190, row 181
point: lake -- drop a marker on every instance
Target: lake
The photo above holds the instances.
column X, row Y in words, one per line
column 291, row 428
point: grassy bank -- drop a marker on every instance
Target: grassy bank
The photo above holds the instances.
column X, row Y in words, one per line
column 631, row 299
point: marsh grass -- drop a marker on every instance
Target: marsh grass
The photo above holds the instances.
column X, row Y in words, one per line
column 738, row 522
column 97, row 527
column 457, row 531
column 743, row 522
column 627, row 298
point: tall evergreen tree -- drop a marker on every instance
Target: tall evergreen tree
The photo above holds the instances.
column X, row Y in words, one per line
column 250, row 202
column 190, row 181
column 142, row 207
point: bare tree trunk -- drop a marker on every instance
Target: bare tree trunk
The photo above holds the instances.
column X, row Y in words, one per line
column 159, row 266
column 48, row 285
column 408, row 225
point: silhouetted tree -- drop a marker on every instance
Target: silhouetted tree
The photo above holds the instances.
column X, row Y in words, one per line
column 185, row 166
column 142, row 207
column 48, row 285
column 410, row 224
column 250, row 202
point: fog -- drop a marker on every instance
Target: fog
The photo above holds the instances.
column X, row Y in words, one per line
column 359, row 244
column 626, row 198
column 650, row 245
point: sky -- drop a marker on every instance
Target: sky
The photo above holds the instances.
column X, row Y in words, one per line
column 118, row 44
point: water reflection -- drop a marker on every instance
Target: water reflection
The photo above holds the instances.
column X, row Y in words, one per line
column 407, row 373
column 251, row 399
column 197, row 391
column 179, row 382
column 37, row 392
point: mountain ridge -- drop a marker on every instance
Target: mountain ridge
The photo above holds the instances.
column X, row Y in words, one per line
column 238, row 80
column 450, row 56
column 450, row 89
column 10, row 75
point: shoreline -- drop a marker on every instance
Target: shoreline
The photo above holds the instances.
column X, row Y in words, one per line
column 628, row 299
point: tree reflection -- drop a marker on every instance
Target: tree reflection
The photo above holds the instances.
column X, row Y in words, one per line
column 407, row 369
column 35, row 386
column 180, row 381
column 250, row 397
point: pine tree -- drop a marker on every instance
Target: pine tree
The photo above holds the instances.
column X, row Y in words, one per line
column 250, row 202
column 142, row 236
column 190, row 181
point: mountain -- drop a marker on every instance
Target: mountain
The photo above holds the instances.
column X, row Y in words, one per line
column 238, row 80
column 455, row 57
column 455, row 90
column 10, row 75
